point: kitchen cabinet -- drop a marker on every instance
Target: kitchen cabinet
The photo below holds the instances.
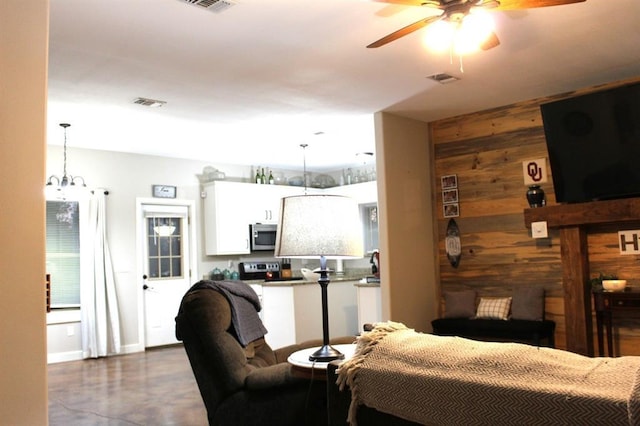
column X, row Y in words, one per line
column 226, row 221
column 292, row 313
column 229, row 208
column 369, row 304
column 264, row 201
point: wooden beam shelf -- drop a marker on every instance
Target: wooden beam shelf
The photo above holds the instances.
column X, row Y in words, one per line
column 591, row 213
column 573, row 220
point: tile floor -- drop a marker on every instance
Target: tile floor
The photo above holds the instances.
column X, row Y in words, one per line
column 155, row 387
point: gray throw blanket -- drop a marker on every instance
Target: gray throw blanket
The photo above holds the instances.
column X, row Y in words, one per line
column 245, row 306
column 436, row 380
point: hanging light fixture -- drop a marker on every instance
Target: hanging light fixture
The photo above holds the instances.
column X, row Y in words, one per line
column 66, row 181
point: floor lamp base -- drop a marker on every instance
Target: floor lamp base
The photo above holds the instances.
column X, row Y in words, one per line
column 326, row 354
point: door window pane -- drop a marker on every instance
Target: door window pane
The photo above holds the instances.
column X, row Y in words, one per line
column 164, row 243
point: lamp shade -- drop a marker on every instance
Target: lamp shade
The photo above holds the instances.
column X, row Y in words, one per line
column 314, row 226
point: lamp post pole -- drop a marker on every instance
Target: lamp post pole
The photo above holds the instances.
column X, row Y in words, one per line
column 326, row 353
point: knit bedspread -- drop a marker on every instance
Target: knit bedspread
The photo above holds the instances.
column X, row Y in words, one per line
column 437, row 380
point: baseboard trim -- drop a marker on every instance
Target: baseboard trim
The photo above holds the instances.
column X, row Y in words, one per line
column 57, row 357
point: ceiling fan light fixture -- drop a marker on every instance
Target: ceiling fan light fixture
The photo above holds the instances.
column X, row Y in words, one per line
column 460, row 35
column 473, row 31
column 439, row 36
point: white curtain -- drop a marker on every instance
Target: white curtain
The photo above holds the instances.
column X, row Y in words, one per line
column 98, row 301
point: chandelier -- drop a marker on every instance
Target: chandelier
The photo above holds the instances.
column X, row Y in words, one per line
column 66, row 181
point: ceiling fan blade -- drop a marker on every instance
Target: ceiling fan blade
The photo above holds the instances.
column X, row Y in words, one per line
column 404, row 31
column 432, row 3
column 491, row 42
column 530, row 4
column 389, row 10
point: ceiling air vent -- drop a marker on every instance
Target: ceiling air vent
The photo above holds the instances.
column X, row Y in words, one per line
column 443, row 78
column 215, row 6
column 149, row 102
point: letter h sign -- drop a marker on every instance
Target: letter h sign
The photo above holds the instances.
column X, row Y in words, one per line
column 629, row 242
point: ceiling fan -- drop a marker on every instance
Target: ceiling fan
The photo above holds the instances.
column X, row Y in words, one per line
column 456, row 11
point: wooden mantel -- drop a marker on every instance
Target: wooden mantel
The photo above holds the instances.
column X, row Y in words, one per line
column 573, row 221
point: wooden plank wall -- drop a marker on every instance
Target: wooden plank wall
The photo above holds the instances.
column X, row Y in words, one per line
column 486, row 150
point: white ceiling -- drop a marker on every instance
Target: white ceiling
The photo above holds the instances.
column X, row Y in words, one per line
column 250, row 84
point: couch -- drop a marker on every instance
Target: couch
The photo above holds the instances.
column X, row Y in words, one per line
column 515, row 317
column 242, row 380
column 536, row 333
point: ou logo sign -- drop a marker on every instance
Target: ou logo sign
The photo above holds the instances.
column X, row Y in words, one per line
column 534, row 171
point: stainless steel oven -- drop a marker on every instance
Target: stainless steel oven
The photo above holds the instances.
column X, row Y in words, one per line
column 262, row 236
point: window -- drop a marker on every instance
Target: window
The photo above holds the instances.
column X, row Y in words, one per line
column 369, row 215
column 164, row 245
column 63, row 252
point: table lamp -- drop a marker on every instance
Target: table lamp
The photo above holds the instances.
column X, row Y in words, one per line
column 320, row 227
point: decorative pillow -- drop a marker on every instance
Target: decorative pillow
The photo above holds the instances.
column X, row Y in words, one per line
column 494, row 308
column 528, row 303
column 459, row 304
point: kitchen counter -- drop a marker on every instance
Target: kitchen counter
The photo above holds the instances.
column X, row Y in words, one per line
column 291, row 310
column 353, row 302
column 333, row 279
column 366, row 285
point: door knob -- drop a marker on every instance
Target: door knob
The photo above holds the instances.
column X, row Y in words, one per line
column 145, row 287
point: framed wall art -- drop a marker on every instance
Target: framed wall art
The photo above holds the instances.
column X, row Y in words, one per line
column 163, row 191
column 449, row 182
column 450, row 196
column 451, row 210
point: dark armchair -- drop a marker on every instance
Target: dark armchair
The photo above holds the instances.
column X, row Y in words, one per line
column 243, row 384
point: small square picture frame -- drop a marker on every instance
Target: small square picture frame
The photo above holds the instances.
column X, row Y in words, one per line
column 451, row 210
column 449, row 182
column 450, row 196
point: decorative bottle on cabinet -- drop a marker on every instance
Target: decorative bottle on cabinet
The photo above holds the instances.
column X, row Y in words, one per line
column 263, row 178
column 272, row 181
column 257, row 178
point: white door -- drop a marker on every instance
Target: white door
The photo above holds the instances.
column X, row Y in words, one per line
column 166, row 258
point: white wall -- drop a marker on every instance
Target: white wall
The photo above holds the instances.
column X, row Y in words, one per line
column 127, row 177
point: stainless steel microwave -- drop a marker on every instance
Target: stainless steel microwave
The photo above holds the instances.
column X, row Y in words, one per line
column 262, row 236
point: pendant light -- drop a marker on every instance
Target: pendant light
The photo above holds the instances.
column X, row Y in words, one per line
column 66, row 181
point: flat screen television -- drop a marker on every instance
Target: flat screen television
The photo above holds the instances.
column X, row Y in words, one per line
column 593, row 142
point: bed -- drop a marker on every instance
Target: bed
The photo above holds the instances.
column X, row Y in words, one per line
column 438, row 380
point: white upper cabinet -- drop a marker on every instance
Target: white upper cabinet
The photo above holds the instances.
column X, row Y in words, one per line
column 229, row 208
column 264, row 201
column 226, row 218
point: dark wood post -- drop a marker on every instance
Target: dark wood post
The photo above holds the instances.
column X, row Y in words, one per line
column 577, row 295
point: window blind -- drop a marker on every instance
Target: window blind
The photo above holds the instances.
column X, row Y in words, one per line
column 63, row 252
